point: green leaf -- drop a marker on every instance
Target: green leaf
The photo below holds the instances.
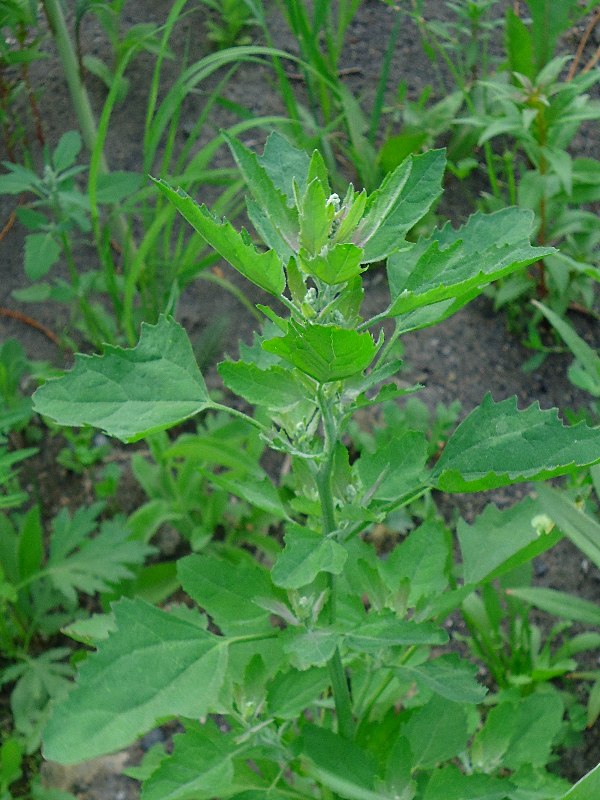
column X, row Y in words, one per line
column 306, row 554
column 293, row 691
column 448, row 676
column 537, row 721
column 586, row 788
column 30, row 547
column 316, row 216
column 18, row 179
column 201, row 766
column 130, row 393
column 155, row 665
column 325, row 352
column 559, row 604
column 582, row 530
column 519, row 45
column 311, row 648
column 339, row 764
column 420, row 560
column 452, row 262
column 274, row 387
column 436, row 732
column 66, row 151
column 209, row 581
column 394, row 469
column 263, row 269
column 384, row 629
column 497, row 445
column 266, row 195
column 41, row 253
column 340, row 264
column 402, row 199
column 449, row 783
column 498, row 541
column 283, row 162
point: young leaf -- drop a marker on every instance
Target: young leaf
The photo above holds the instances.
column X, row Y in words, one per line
column 263, row 269
column 456, row 262
column 311, row 648
column 291, row 692
column 402, row 199
column 41, row 254
column 155, row 665
column 341, row 263
column 266, row 195
column 130, row 393
column 274, row 387
column 325, row 352
column 497, row 445
column 306, row 554
column 316, row 216
column 282, row 162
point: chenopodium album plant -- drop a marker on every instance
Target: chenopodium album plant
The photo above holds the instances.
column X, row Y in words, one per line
column 323, row 664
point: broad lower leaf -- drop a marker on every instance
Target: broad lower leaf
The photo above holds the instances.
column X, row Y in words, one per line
column 130, row 393
column 537, row 719
column 402, row 199
column 325, row 352
column 497, row 445
column 263, row 269
column 436, row 732
column 449, row 783
column 210, row 581
column 498, row 541
column 155, row 665
column 200, row 766
column 274, row 387
column 306, row 554
column 449, row 677
column 339, row 764
column 456, row 262
column 395, row 468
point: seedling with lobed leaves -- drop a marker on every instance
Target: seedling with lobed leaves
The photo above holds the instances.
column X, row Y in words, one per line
column 320, row 659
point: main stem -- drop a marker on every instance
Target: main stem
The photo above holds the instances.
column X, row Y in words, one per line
column 339, row 682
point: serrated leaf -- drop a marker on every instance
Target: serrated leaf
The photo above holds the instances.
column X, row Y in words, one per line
column 209, row 581
column 341, row 263
column 325, row 352
column 497, row 445
column 448, row 676
column 155, row 665
column 306, row 554
column 452, row 262
column 538, row 719
column 265, row 193
column 130, row 393
column 200, row 766
column 93, row 564
column 402, row 199
column 41, row 254
column 274, row 387
column 263, row 269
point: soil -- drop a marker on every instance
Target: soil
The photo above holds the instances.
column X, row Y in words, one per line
column 465, row 357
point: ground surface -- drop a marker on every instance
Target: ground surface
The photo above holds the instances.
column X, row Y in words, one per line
column 464, row 358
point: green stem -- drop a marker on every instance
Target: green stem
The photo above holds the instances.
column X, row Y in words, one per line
column 339, row 682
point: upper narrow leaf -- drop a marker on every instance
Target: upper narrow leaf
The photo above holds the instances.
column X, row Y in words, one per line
column 263, row 269
column 130, row 393
column 155, row 665
column 497, row 445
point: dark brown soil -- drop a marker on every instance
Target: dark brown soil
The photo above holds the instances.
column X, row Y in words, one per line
column 464, row 358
